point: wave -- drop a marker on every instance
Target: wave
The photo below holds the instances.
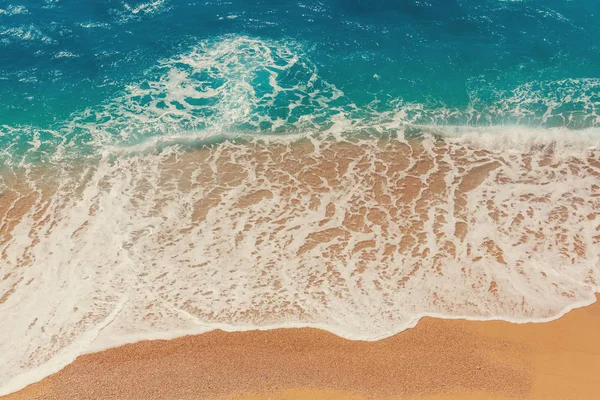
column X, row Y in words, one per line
column 139, row 10
column 237, row 189
column 360, row 236
column 14, row 10
column 27, row 34
column 236, row 85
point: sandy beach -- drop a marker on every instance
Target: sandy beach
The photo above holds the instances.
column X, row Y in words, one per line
column 439, row 359
column 259, row 239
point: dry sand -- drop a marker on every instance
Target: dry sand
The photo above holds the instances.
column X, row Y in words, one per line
column 439, row 359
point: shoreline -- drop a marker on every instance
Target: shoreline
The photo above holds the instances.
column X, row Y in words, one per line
column 399, row 228
column 109, row 345
column 437, row 359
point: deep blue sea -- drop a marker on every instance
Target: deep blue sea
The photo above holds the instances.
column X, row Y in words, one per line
column 170, row 167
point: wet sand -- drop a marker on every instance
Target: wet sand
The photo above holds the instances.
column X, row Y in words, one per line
column 376, row 210
column 439, row 359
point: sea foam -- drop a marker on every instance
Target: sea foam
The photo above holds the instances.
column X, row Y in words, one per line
column 171, row 210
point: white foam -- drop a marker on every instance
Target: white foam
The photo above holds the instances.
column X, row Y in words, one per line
column 131, row 234
column 24, row 33
column 563, row 142
column 14, row 10
column 150, row 7
column 137, row 11
column 132, row 243
column 65, row 54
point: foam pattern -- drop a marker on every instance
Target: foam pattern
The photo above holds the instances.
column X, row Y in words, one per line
column 170, row 210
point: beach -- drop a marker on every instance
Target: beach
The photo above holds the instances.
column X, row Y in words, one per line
column 299, row 200
column 343, row 243
column 438, row 359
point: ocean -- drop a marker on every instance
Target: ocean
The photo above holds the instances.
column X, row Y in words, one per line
column 173, row 167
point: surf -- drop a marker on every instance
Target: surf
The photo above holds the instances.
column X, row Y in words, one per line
column 236, row 188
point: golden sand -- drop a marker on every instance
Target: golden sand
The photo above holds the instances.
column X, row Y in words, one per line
column 437, row 360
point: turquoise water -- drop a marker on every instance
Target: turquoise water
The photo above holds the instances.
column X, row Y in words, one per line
column 69, row 68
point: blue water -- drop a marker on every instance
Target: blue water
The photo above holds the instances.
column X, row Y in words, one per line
column 58, row 58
